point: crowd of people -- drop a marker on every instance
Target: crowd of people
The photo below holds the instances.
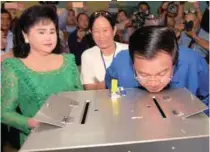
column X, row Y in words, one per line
column 43, row 54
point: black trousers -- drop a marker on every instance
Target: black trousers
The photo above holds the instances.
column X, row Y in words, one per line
column 11, row 136
column 4, row 135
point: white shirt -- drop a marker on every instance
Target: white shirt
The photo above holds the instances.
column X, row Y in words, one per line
column 92, row 67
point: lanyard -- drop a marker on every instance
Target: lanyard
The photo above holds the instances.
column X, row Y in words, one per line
column 104, row 60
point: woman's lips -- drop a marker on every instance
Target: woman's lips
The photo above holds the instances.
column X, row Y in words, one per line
column 48, row 45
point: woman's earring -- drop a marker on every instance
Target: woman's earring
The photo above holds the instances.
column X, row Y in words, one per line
column 26, row 41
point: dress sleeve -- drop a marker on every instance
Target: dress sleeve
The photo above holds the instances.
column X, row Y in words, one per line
column 9, row 101
column 76, row 75
column 77, row 78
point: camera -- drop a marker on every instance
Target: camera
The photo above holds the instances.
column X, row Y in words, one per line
column 173, row 8
column 138, row 19
column 188, row 26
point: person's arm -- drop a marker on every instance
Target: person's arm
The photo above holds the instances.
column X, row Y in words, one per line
column 198, row 11
column 95, row 86
column 178, row 29
column 9, row 99
column 180, row 12
column 3, row 41
column 77, row 80
column 163, row 11
column 87, row 75
column 7, row 55
column 202, row 42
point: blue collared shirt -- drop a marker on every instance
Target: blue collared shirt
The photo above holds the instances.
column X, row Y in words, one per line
column 62, row 20
column 9, row 45
column 204, row 35
column 191, row 72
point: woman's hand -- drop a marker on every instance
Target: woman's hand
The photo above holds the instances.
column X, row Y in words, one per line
column 32, row 123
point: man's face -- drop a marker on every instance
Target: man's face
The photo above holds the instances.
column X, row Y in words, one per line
column 121, row 17
column 190, row 17
column 71, row 19
column 5, row 22
column 83, row 22
column 13, row 12
column 143, row 8
column 154, row 74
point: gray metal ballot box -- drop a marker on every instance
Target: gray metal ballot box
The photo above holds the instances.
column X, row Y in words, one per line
column 90, row 121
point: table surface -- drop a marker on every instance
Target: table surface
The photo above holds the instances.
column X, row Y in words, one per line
column 133, row 118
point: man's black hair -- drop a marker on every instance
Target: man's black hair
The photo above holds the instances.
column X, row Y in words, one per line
column 147, row 41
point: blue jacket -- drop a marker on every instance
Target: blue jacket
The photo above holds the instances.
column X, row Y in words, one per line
column 191, row 72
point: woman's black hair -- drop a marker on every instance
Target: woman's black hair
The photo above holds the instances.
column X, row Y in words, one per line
column 147, row 41
column 104, row 14
column 27, row 20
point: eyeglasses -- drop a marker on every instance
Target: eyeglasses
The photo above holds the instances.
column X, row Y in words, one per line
column 190, row 11
column 159, row 78
column 102, row 13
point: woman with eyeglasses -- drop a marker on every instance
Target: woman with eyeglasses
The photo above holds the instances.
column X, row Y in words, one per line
column 97, row 59
column 37, row 71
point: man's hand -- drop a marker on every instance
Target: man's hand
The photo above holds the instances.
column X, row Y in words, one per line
column 3, row 41
column 190, row 34
column 179, row 27
column 128, row 23
column 202, row 42
column 165, row 6
column 196, row 5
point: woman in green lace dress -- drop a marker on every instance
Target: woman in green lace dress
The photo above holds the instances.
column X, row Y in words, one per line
column 38, row 71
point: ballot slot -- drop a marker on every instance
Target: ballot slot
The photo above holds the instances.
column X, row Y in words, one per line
column 85, row 111
column 158, row 107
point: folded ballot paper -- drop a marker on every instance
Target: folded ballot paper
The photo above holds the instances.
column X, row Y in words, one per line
column 57, row 111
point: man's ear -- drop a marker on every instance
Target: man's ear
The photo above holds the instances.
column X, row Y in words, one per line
column 115, row 30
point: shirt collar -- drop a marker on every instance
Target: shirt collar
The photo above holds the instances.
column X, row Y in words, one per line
column 176, row 78
column 9, row 33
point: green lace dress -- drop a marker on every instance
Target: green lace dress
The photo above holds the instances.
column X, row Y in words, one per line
column 28, row 90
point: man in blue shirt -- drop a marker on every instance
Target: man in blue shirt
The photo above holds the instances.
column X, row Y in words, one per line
column 6, row 34
column 154, row 62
